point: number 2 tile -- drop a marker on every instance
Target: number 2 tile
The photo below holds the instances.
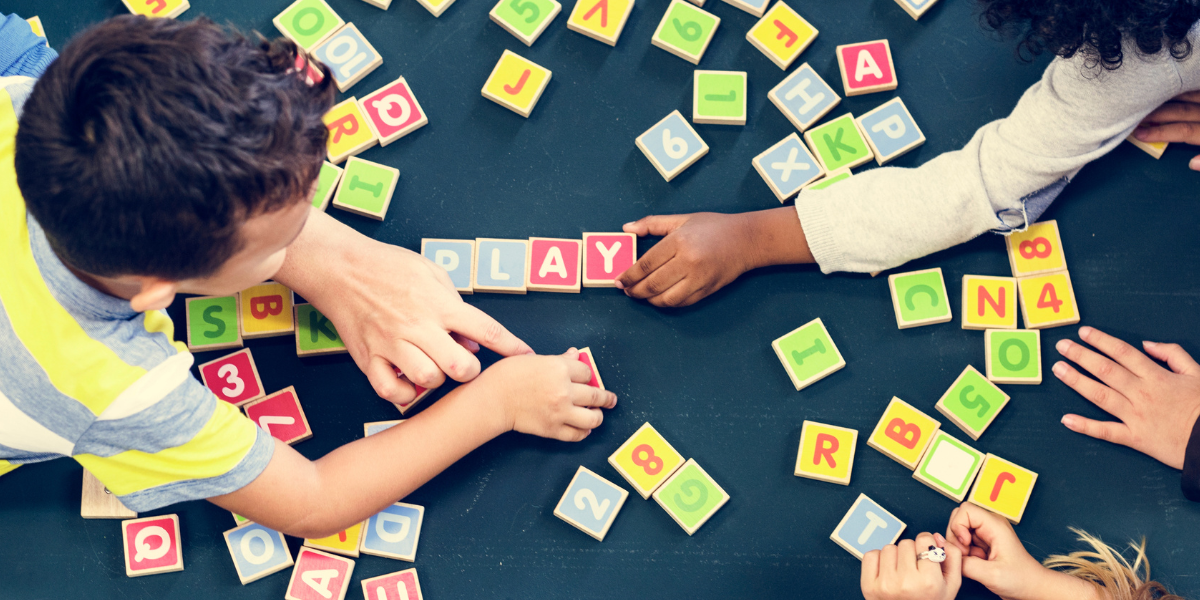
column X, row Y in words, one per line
column 233, row 378
column 525, row 19
column 212, row 323
column 281, row 416
column 591, row 503
column 787, row 167
column 319, row 576
column 1048, row 300
column 691, row 496
column 867, row 526
column 672, row 145
column 646, row 460
column 685, row 31
column 516, row 83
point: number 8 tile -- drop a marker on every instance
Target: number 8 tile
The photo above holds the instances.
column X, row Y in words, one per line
column 646, row 460
column 591, row 503
column 672, row 145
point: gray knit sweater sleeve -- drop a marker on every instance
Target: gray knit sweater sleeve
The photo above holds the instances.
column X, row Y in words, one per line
column 1005, row 177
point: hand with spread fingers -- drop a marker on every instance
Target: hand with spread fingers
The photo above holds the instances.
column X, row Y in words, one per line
column 911, row 570
column 1175, row 121
column 1156, row 408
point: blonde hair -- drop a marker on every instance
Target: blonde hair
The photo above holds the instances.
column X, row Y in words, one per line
column 1110, row 571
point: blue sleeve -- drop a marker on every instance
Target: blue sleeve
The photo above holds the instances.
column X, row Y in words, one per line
column 21, row 51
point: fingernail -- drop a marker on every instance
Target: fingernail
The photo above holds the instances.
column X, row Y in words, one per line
column 620, row 286
column 1140, row 133
column 1062, row 346
column 1069, row 421
column 612, row 399
column 937, row 537
column 1150, row 344
column 1059, row 369
column 627, row 225
column 1084, row 332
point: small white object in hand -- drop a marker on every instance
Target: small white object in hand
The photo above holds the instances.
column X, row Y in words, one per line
column 934, row 554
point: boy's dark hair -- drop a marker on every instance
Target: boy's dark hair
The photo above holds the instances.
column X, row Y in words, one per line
column 148, row 143
column 1094, row 27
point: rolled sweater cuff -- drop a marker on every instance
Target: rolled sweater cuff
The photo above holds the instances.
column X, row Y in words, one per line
column 1190, row 483
column 818, row 231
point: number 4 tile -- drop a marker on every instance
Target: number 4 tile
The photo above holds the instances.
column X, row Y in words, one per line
column 401, row 585
column 787, row 167
column 719, row 97
column 890, row 130
column 212, row 323
column 152, row 545
column 516, row 83
column 281, row 416
column 525, row 19
column 803, row 97
column 591, row 503
column 672, row 145
column 1048, row 300
column 782, row 34
column 808, row 354
column 867, row 526
column 691, row 496
column 257, row 551
column 319, row 576
column 602, row 20
column 919, row 298
column 366, row 188
column 233, row 378
column 349, row 56
column 685, row 31
column 972, row 402
column 646, row 460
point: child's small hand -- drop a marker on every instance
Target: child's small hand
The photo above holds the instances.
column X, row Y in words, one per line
column 1157, row 408
column 895, row 573
column 1175, row 121
column 701, row 253
column 547, row 396
column 992, row 553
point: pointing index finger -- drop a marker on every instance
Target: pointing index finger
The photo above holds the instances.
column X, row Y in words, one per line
column 474, row 324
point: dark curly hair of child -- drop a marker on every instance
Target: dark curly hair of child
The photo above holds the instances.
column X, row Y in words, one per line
column 1095, row 28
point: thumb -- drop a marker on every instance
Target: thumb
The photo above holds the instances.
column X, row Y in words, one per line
column 981, row 570
column 656, row 225
column 1195, row 164
column 1173, row 354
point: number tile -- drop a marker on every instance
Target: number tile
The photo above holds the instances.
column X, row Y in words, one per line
column 672, row 145
column 1036, row 251
column 1048, row 300
column 646, row 460
column 349, row 56
column 690, row 496
column 233, row 378
column 591, row 503
column 1013, row 356
column 685, row 31
column 525, row 19
column 972, row 402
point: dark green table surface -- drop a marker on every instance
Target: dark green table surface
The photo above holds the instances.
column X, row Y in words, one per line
column 705, row 376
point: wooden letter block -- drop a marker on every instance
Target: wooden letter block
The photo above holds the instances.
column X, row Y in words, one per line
column 349, row 56
column 281, row 416
column 920, row 298
column 803, row 97
column 525, row 19
column 308, row 23
column 233, row 378
column 344, row 542
column 366, row 188
column 394, row 532
column 754, row 7
column 691, row 496
column 591, row 503
column 949, row 466
column 782, row 34
column 1155, row 149
column 808, row 354
column 239, row 519
column 1048, row 301
column 421, row 393
column 97, row 502
column 401, row 585
column 606, row 256
column 972, row 402
column 890, row 130
column 989, row 302
column 601, row 20
column 672, row 145
column 554, row 265
column 212, row 323
column 349, row 133
column 586, row 357
column 826, row 452
column 500, row 265
column 1003, row 488
column 168, row 9
column 787, row 167
column 685, row 31
column 1013, row 356
column 839, row 144
column 719, row 97
column 257, row 551
column 866, row 527
column 319, row 576
column 375, row 427
column 265, row 310
column 152, row 545
column 35, row 24
column 646, row 460
column 393, row 111
column 327, row 182
column 315, row 334
column 516, row 83
column 1036, row 251
column 457, row 257
column 903, row 433
column 916, row 8
column 866, row 67
column 436, row 7
column 829, row 179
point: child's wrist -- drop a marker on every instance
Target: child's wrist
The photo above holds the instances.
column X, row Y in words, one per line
column 774, row 237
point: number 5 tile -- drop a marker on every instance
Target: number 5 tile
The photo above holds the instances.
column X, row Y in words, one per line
column 672, row 145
